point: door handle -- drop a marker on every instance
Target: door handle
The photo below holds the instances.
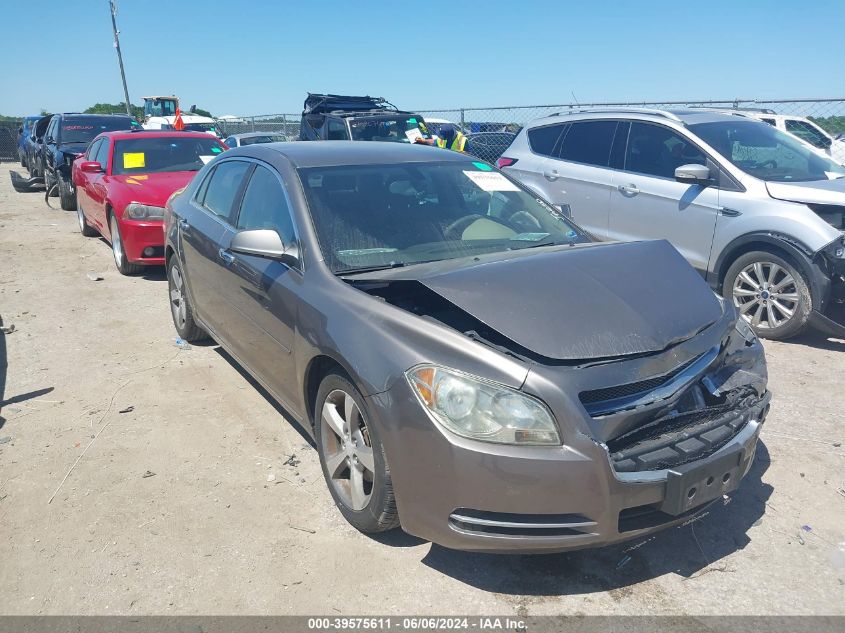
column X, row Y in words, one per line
column 226, row 256
column 551, row 175
column 628, row 190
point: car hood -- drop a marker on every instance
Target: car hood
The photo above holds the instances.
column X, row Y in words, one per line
column 814, row 192
column 153, row 189
column 73, row 148
column 579, row 303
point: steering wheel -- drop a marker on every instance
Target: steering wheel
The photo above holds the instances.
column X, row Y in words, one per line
column 455, row 230
column 770, row 162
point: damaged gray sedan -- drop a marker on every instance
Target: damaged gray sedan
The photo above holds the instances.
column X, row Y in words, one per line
column 472, row 365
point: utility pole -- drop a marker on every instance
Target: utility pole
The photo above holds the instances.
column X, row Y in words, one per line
column 119, row 57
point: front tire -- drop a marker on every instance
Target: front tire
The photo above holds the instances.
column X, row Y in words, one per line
column 124, row 267
column 67, row 198
column 352, row 457
column 771, row 293
column 180, row 306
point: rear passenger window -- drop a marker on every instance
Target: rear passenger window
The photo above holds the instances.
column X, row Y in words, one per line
column 223, row 187
column 657, row 151
column 336, row 131
column 102, row 155
column 264, row 205
column 92, row 150
column 589, row 142
column 543, row 139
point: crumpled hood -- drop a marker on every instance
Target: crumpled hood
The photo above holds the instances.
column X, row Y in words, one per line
column 814, row 192
column 582, row 302
column 153, row 189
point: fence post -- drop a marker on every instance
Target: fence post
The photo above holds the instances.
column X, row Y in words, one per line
column 463, row 125
column 253, row 124
column 285, row 125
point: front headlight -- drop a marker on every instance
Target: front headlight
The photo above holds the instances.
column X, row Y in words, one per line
column 836, row 249
column 137, row 211
column 482, row 410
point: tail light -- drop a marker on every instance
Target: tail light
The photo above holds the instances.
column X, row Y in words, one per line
column 504, row 161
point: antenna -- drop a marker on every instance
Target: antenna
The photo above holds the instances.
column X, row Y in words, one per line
column 119, row 56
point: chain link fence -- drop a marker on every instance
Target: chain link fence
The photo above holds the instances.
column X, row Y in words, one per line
column 491, row 129
column 9, row 141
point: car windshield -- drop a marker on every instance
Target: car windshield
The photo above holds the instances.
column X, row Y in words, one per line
column 79, row 130
column 145, row 155
column 201, row 127
column 268, row 138
column 387, row 128
column 384, row 216
column 765, row 152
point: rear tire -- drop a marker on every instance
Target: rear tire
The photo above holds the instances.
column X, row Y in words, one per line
column 180, row 305
column 124, row 267
column 67, row 198
column 86, row 229
column 352, row 457
column 771, row 293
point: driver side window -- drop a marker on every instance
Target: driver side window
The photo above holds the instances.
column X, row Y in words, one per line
column 655, row 150
column 102, row 155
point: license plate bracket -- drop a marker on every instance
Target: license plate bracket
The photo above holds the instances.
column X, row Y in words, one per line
column 687, row 488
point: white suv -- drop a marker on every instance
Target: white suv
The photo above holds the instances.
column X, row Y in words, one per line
column 758, row 213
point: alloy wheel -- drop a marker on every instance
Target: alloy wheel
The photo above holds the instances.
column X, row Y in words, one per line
column 177, row 297
column 766, row 295
column 347, row 449
column 116, row 244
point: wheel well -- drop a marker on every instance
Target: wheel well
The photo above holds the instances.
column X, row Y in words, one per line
column 748, row 247
column 318, row 368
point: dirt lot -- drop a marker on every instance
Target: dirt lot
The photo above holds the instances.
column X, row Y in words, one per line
column 178, row 487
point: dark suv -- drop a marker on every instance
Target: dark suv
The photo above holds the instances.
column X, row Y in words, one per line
column 341, row 118
column 66, row 138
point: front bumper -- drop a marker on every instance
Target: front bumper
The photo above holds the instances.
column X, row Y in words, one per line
column 476, row 496
column 140, row 235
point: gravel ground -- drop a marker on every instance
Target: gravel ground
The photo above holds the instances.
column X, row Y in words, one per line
column 178, row 486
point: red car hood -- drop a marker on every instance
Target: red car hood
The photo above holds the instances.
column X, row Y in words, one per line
column 153, row 189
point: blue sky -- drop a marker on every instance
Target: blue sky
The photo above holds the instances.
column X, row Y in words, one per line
column 260, row 57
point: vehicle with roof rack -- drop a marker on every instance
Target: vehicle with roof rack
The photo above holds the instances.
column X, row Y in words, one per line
column 757, row 212
column 329, row 117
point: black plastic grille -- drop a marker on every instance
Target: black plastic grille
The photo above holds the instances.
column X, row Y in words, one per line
column 632, row 388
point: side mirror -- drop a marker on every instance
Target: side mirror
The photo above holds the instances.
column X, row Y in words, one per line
column 264, row 243
column 91, row 167
column 694, row 175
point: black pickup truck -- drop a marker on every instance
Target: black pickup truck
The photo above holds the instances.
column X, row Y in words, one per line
column 66, row 138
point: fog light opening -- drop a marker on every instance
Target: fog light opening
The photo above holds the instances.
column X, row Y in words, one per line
column 726, row 478
column 710, row 481
column 148, row 252
column 692, row 492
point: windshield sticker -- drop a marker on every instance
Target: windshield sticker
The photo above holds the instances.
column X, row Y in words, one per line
column 205, row 159
column 77, row 127
column 490, row 181
column 133, row 160
column 571, row 233
column 412, row 121
column 483, row 166
column 216, row 150
column 531, row 237
column 413, row 134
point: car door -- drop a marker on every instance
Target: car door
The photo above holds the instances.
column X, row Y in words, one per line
column 97, row 189
column 579, row 174
column 50, row 141
column 264, row 292
column 529, row 168
column 204, row 232
column 83, row 179
column 648, row 203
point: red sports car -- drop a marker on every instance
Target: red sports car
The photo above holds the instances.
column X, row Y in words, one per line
column 123, row 182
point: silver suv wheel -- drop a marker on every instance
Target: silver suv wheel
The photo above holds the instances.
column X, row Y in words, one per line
column 765, row 295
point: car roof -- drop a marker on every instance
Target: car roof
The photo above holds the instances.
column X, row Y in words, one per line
column 684, row 116
column 332, row 153
column 252, row 134
column 121, row 135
